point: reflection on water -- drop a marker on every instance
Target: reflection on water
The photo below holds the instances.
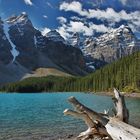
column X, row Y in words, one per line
column 40, row 116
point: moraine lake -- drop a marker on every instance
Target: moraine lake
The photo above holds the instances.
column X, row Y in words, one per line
column 40, row 116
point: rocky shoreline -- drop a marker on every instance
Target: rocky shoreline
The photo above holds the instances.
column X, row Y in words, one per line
column 132, row 95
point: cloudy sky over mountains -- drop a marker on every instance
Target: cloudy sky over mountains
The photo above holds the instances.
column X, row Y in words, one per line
column 83, row 16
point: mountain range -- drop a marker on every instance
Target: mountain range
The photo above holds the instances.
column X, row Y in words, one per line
column 123, row 74
column 25, row 52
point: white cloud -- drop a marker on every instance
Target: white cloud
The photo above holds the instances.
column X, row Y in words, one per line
column 45, row 31
column 24, row 13
column 99, row 28
column 87, row 30
column 45, row 16
column 73, row 6
column 109, row 14
column 123, row 2
column 77, row 26
column 28, row 2
column 131, row 3
column 81, row 25
column 63, row 32
column 62, row 20
column 50, row 5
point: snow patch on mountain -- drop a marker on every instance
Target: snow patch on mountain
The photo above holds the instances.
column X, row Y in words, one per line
column 91, row 65
column 14, row 52
column 35, row 41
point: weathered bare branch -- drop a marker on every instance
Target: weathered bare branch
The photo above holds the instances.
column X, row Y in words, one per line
column 101, row 124
column 94, row 127
column 119, row 130
column 91, row 113
column 83, row 116
column 120, row 106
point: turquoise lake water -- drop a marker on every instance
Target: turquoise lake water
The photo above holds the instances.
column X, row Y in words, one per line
column 40, row 116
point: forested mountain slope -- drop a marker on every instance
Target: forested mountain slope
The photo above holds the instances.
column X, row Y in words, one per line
column 123, row 74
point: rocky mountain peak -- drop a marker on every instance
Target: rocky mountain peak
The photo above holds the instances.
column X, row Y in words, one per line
column 23, row 18
column 20, row 33
column 123, row 30
column 21, row 43
column 74, row 40
column 5, row 47
column 112, row 45
column 53, row 35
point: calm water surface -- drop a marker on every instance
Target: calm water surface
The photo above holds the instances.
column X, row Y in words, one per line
column 40, row 116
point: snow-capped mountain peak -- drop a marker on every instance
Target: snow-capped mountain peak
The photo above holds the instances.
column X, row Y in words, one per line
column 112, row 45
column 23, row 18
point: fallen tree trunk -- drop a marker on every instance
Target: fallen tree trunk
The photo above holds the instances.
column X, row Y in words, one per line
column 119, row 130
column 103, row 125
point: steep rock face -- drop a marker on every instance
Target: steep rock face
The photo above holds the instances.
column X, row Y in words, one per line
column 54, row 50
column 12, row 72
column 93, row 63
column 39, row 40
column 36, row 50
column 32, row 50
column 112, row 45
column 53, row 35
column 22, row 34
column 5, row 47
column 75, row 40
column 68, row 58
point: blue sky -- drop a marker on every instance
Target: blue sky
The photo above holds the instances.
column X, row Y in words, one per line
column 84, row 16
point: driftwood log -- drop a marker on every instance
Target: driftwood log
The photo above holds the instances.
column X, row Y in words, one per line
column 101, row 124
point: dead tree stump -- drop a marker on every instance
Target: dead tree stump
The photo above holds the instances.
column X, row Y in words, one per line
column 103, row 125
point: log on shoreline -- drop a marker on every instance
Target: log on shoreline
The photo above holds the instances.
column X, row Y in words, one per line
column 101, row 124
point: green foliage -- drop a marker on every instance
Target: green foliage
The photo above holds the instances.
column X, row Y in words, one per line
column 41, row 84
column 123, row 74
column 130, row 89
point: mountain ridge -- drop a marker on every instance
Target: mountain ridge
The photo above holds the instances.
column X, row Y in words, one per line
column 112, row 45
column 22, row 45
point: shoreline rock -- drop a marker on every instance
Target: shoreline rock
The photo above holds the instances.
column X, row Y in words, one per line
column 131, row 95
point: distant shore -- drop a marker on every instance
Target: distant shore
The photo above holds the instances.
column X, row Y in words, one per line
column 133, row 95
column 103, row 93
